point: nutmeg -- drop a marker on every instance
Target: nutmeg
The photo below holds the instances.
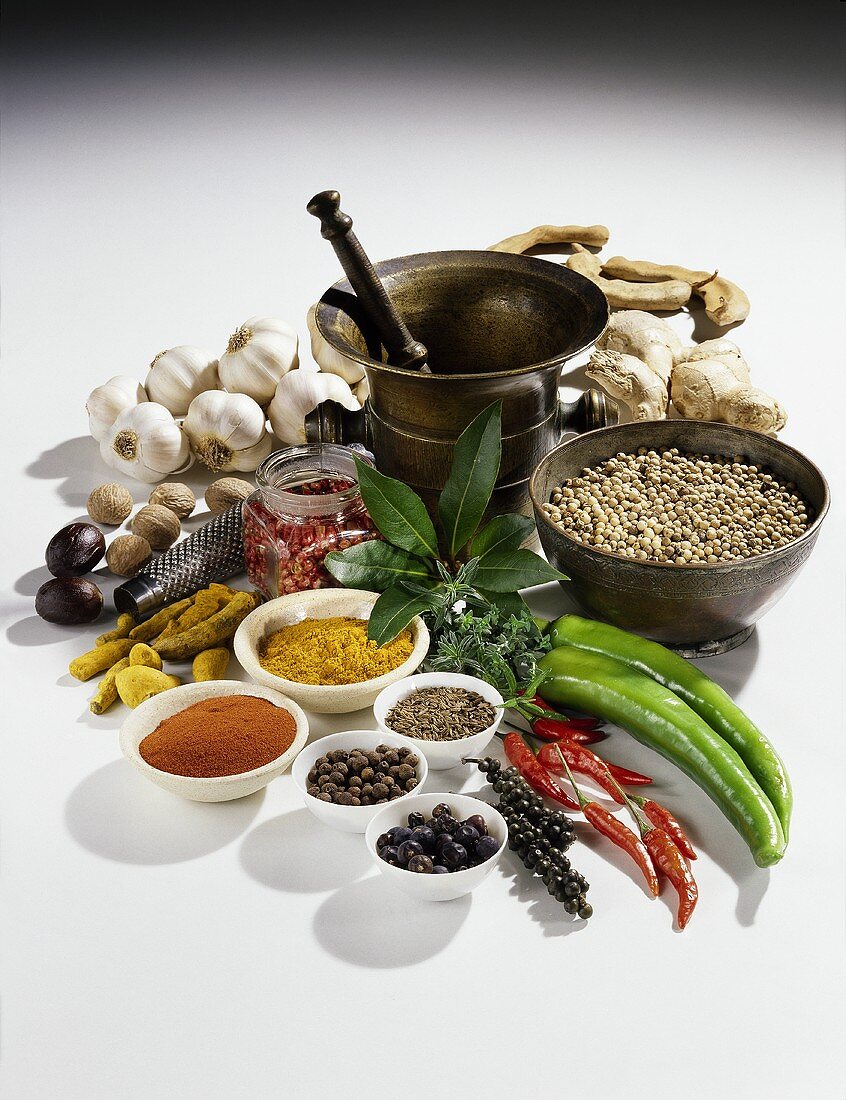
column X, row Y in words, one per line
column 176, row 496
column 69, row 601
column 225, row 492
column 128, row 554
column 75, row 550
column 110, row 504
column 158, row 525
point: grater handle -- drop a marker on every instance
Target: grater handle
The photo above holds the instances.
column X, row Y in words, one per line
column 213, row 553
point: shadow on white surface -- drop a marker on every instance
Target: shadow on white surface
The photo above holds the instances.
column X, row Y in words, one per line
column 69, row 462
column 29, row 583
column 731, row 670
column 530, row 891
column 296, row 853
column 32, row 630
column 373, row 925
column 115, row 813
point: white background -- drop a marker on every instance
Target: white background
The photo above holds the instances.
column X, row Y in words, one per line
column 155, row 947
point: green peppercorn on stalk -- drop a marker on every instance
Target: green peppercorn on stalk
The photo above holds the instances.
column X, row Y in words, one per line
column 697, row 690
column 657, row 717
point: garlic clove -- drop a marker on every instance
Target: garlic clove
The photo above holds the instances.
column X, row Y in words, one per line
column 226, row 430
column 298, row 393
column 259, row 353
column 107, row 402
column 146, row 443
column 180, row 374
column 329, row 359
column 252, row 457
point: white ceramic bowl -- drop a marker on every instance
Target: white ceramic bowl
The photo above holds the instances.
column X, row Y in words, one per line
column 436, row 887
column 349, row 819
column 321, row 603
column 440, row 755
column 145, row 718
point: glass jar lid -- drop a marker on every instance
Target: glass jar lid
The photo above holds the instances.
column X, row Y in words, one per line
column 283, row 472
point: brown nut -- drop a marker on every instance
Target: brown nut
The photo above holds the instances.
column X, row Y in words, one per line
column 158, row 525
column 175, row 496
column 69, row 600
column 75, row 550
column 225, row 492
column 128, row 554
column 110, row 504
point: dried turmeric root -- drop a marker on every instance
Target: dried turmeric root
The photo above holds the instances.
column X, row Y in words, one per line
column 143, row 654
column 107, row 691
column 125, row 623
column 210, row 664
column 210, row 633
column 137, row 684
column 155, row 625
column 99, row 658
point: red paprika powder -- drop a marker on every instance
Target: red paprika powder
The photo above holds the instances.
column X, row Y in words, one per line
column 223, row 735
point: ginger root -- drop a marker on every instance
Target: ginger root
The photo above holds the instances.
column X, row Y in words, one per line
column 663, row 296
column 649, row 338
column 630, row 381
column 594, row 235
column 725, row 303
column 711, row 389
column 642, row 363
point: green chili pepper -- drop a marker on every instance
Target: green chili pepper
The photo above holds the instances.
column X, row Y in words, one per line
column 599, row 685
column 699, row 692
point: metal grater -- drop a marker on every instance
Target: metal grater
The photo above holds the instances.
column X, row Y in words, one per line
column 213, row 553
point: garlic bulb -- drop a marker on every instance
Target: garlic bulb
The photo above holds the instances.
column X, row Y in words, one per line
column 298, row 393
column 227, row 431
column 146, row 443
column 107, row 402
column 258, row 354
column 178, row 375
column 329, row 359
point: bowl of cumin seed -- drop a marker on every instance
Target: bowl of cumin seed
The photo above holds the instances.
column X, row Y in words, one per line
column 440, row 714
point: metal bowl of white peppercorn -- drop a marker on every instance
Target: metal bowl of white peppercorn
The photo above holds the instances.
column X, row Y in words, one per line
column 702, row 592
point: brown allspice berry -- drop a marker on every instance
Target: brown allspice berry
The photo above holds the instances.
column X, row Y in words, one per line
column 128, row 554
column 158, row 525
column 176, row 496
column 225, row 492
column 110, row 504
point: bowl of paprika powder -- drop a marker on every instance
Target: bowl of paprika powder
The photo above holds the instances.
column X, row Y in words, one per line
column 216, row 740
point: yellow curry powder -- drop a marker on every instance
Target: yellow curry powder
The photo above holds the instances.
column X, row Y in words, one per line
column 331, row 651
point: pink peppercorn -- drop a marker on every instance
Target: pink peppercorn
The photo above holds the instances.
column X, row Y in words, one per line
column 288, row 533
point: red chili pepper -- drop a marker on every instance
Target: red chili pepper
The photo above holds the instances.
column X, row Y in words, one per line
column 581, row 760
column 604, row 822
column 621, row 835
column 585, row 762
column 553, row 729
column 671, row 862
column 661, row 818
column 535, row 774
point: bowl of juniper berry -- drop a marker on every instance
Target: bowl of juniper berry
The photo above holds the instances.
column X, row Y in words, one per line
column 436, row 887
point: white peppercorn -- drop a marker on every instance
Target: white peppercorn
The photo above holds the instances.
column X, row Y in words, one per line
column 684, row 509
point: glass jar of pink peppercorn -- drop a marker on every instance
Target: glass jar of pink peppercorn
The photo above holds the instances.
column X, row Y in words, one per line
column 307, row 504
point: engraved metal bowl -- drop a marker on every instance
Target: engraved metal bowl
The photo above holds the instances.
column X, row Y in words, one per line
column 697, row 610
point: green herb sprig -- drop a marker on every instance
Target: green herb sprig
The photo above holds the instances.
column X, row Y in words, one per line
column 409, row 568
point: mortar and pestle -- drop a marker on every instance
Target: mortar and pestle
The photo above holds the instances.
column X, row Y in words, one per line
column 440, row 336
